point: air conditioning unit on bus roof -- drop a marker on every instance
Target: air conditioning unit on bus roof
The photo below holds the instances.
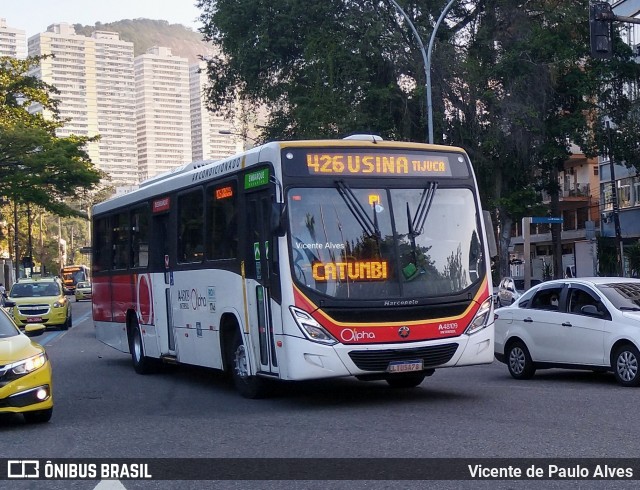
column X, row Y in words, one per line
column 363, row 137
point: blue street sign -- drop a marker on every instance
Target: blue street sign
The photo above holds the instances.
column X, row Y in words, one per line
column 546, row 219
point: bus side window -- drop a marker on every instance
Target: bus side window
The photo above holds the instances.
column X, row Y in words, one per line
column 222, row 222
column 140, row 237
column 191, row 229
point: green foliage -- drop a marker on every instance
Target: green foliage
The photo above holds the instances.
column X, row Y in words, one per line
column 324, row 69
column 36, row 167
column 607, row 257
column 633, row 256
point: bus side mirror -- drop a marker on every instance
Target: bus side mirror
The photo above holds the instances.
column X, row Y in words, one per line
column 278, row 219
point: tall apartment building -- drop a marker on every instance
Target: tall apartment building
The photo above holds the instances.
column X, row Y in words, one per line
column 206, row 139
column 162, row 111
column 95, row 78
column 12, row 41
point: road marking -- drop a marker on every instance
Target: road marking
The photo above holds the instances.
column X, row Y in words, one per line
column 51, row 336
column 83, row 318
column 110, row 485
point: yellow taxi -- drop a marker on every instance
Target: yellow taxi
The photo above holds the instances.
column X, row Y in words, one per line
column 39, row 300
column 83, row 291
column 25, row 372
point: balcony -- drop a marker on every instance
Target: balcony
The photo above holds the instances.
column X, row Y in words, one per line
column 576, row 190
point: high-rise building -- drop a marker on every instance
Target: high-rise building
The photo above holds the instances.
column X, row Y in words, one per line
column 162, row 111
column 208, row 143
column 12, row 41
column 94, row 76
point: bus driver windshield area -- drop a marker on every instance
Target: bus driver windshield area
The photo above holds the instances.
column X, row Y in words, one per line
column 352, row 241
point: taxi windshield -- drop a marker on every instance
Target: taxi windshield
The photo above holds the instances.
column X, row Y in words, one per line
column 365, row 243
column 35, row 289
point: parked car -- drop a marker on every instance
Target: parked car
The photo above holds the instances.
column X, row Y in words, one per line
column 510, row 289
column 586, row 323
column 83, row 291
column 39, row 300
column 25, row 372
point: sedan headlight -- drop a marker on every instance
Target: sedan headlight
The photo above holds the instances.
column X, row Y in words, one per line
column 311, row 328
column 28, row 365
column 482, row 317
column 60, row 303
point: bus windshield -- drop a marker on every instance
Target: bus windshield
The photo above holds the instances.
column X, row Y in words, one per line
column 377, row 243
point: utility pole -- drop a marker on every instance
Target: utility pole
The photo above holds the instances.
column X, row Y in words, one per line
column 614, row 203
column 16, row 241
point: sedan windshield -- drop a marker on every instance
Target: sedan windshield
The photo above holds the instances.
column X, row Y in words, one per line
column 384, row 243
column 623, row 295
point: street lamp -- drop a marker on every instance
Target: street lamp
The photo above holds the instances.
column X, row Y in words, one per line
column 426, row 56
column 243, row 136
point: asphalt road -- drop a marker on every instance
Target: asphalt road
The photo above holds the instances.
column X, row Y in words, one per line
column 103, row 409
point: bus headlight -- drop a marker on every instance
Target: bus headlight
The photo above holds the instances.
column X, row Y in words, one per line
column 311, row 328
column 482, row 318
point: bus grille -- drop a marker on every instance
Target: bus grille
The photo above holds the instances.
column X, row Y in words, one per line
column 378, row 360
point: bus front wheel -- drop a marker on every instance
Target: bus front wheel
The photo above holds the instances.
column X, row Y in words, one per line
column 238, row 356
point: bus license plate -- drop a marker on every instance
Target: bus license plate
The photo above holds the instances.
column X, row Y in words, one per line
column 34, row 319
column 405, row 366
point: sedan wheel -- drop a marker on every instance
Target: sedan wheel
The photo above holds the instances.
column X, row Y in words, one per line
column 519, row 361
column 625, row 365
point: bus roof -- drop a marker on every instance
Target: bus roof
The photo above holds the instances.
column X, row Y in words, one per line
column 185, row 175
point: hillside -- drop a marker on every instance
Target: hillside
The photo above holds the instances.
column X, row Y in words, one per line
column 145, row 33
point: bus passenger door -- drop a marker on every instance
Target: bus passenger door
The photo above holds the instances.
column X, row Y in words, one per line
column 164, row 303
column 260, row 278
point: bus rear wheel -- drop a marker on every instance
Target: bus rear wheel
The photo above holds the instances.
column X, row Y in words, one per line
column 141, row 363
column 238, row 359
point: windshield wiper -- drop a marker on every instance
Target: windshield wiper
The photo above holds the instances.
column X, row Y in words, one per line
column 630, row 308
column 370, row 226
column 416, row 224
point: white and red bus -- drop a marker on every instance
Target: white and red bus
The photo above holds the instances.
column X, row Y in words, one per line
column 300, row 260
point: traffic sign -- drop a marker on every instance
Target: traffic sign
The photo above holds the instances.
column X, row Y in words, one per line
column 546, row 219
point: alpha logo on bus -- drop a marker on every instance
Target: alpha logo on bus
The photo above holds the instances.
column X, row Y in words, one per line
column 360, row 270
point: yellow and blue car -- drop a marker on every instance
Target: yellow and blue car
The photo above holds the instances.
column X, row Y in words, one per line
column 83, row 291
column 40, row 300
column 25, row 372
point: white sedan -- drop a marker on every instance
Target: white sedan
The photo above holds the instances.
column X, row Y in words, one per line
column 586, row 323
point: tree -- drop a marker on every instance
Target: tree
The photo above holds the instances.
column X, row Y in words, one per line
column 36, row 166
column 323, row 69
column 529, row 89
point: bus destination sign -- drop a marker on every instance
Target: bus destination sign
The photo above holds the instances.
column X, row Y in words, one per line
column 418, row 164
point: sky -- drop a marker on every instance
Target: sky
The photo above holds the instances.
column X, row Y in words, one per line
column 35, row 16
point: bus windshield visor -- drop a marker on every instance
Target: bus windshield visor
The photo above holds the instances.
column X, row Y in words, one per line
column 381, row 243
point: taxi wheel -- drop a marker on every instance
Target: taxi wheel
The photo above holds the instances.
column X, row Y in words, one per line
column 248, row 386
column 66, row 324
column 38, row 416
column 409, row 380
column 626, row 366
